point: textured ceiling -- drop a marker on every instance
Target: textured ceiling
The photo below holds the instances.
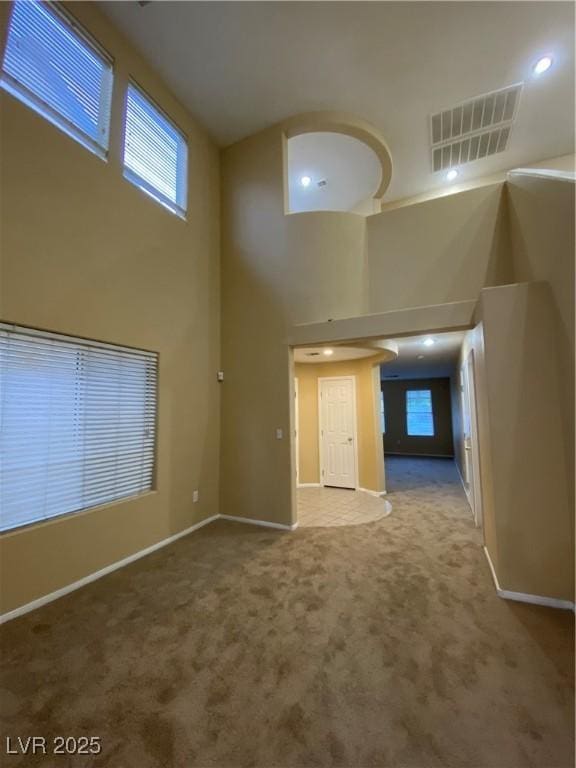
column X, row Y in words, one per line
column 242, row 66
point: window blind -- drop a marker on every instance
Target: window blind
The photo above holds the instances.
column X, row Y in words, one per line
column 155, row 152
column 419, row 414
column 57, row 69
column 77, row 424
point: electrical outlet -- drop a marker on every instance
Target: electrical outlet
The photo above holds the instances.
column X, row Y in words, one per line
column 279, row 434
column 195, row 496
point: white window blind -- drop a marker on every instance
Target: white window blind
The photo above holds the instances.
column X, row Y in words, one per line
column 419, row 413
column 155, row 152
column 77, row 424
column 53, row 66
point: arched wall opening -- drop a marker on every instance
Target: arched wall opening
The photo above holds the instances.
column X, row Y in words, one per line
column 334, row 162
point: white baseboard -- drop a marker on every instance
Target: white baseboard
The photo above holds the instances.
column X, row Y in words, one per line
column 378, row 494
column 265, row 523
column 309, row 485
column 39, row 602
column 523, row 597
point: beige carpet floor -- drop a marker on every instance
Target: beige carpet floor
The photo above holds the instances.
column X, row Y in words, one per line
column 369, row 645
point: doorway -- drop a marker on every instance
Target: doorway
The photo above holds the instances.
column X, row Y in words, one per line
column 338, row 439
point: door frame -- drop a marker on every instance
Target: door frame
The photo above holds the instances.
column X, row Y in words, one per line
column 354, row 427
column 297, row 428
column 468, row 373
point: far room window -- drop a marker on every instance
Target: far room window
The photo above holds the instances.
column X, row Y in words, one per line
column 419, row 413
column 382, row 413
column 57, row 69
column 155, row 152
column 77, row 424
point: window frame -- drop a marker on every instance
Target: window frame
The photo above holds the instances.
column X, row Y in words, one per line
column 179, row 208
column 20, row 91
column 83, row 345
column 407, row 412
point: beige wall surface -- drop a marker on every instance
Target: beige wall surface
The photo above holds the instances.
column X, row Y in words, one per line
column 438, row 251
column 532, row 513
column 543, row 247
column 86, row 253
column 277, row 270
column 370, row 453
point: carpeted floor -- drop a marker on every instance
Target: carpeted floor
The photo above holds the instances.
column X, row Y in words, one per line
column 370, row 645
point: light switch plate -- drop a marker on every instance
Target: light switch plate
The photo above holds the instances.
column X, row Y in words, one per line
column 279, row 434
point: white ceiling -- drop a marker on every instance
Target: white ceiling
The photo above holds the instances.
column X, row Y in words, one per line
column 349, row 167
column 242, row 66
column 417, row 361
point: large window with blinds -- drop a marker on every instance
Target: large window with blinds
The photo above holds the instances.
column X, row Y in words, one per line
column 419, row 413
column 155, row 152
column 77, row 424
column 55, row 67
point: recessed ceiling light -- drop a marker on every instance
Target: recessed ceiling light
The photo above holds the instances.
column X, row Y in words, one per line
column 305, row 181
column 420, row 357
column 451, row 175
column 428, row 342
column 328, row 352
column 542, row 65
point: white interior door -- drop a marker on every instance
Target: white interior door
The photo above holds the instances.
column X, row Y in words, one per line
column 338, row 464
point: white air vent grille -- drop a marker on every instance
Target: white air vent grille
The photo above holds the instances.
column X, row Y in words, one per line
column 475, row 129
column 475, row 148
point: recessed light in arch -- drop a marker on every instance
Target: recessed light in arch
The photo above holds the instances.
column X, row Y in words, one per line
column 429, row 342
column 331, row 171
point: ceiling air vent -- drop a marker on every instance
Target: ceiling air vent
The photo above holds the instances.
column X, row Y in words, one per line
column 475, row 129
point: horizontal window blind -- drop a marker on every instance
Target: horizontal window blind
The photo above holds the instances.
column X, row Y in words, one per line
column 155, row 152
column 54, row 67
column 419, row 414
column 77, row 424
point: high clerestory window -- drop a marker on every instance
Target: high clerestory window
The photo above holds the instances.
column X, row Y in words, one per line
column 55, row 67
column 155, row 152
column 77, row 424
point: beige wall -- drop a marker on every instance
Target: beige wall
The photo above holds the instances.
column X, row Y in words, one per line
column 438, row 251
column 532, row 512
column 370, row 453
column 86, row 253
column 542, row 238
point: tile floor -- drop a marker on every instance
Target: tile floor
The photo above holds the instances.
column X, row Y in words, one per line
column 327, row 507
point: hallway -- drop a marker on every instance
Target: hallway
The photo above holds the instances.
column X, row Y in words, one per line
column 380, row 644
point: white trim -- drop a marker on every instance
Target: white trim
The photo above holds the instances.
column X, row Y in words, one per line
column 466, row 491
column 523, row 597
column 355, row 426
column 547, row 173
column 309, row 485
column 378, row 494
column 297, row 427
column 265, row 523
column 39, row 602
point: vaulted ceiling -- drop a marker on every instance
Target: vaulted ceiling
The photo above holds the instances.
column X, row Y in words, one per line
column 242, row 66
